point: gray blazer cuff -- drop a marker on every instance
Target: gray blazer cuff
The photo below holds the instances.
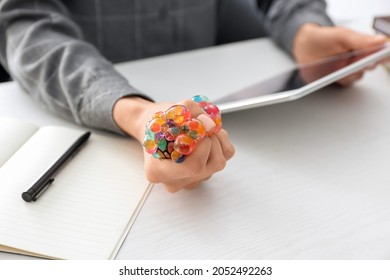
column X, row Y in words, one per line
column 98, row 112
column 287, row 16
column 287, row 37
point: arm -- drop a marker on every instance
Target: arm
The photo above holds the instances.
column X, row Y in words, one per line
column 44, row 52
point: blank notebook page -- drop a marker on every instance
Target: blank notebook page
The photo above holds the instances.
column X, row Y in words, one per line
column 14, row 134
column 89, row 208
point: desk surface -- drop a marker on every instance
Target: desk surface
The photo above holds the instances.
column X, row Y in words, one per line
column 309, row 179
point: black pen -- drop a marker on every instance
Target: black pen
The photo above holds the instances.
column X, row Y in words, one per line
column 44, row 182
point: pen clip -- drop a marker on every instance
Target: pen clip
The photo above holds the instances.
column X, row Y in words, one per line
column 45, row 186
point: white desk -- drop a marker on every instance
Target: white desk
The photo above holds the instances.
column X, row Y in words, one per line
column 310, row 179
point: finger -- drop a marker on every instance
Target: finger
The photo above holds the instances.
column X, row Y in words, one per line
column 207, row 122
column 216, row 161
column 197, row 169
column 355, row 40
column 164, row 170
column 351, row 79
column 372, row 66
column 227, row 147
column 191, row 105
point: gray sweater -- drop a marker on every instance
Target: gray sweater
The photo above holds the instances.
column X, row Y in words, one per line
column 61, row 52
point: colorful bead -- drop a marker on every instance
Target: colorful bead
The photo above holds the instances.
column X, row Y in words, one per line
column 177, row 157
column 178, row 114
column 150, row 145
column 162, row 144
column 195, row 129
column 159, row 114
column 158, row 125
column 218, row 123
column 172, row 132
column 212, row 110
column 184, row 144
column 201, row 98
column 158, row 154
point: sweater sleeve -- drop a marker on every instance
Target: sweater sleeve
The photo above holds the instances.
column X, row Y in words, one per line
column 285, row 17
column 43, row 50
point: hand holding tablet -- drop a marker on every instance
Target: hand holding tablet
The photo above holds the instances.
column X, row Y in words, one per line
column 302, row 80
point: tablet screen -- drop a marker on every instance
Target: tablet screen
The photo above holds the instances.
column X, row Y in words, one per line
column 299, row 77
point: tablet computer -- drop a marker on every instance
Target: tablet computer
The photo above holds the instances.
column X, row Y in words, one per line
column 302, row 80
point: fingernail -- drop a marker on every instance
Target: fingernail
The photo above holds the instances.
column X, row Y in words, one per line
column 208, row 122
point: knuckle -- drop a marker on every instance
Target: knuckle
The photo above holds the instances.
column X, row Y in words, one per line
column 192, row 106
column 188, row 103
column 196, row 169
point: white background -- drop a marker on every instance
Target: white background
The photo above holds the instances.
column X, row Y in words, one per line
column 345, row 10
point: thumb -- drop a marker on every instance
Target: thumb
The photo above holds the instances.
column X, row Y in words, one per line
column 355, row 41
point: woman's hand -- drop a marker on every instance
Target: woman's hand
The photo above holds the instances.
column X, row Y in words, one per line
column 313, row 42
column 210, row 156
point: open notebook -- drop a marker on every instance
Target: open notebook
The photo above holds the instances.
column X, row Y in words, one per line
column 88, row 210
